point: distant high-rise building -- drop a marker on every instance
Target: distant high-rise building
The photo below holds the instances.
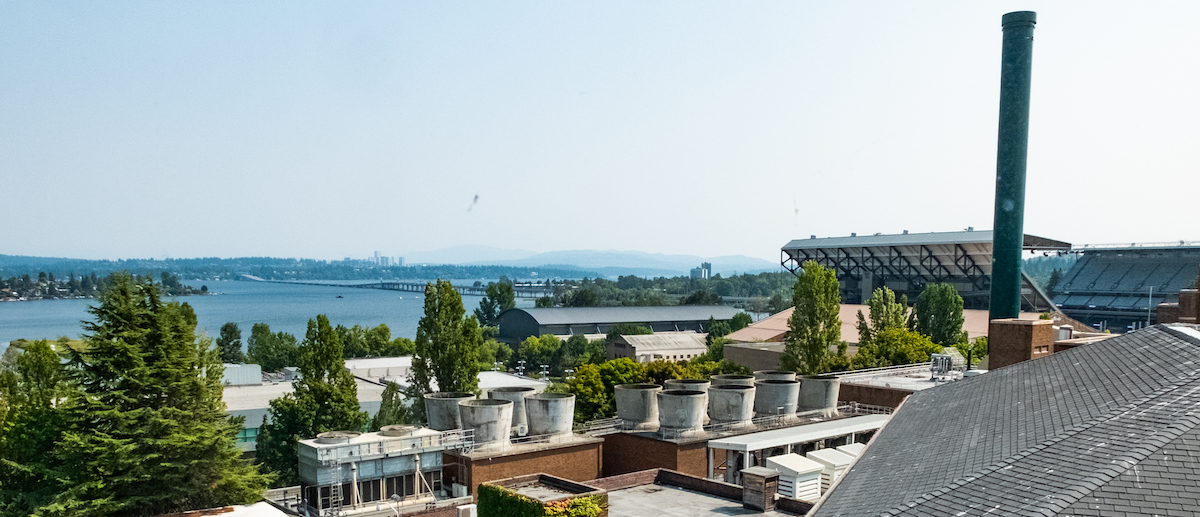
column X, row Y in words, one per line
column 702, row 272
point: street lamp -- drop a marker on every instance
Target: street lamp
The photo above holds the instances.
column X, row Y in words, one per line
column 395, row 498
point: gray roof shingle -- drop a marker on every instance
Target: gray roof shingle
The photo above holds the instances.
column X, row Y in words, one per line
column 1053, row 436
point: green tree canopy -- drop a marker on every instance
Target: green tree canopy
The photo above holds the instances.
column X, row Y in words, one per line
column 701, row 298
column 271, row 351
column 145, row 425
column 230, row 344
column 324, row 398
column 499, row 297
column 392, row 410
column 447, row 346
column 814, row 325
column 886, row 313
column 593, row 386
column 536, row 351
column 939, row 314
column 895, row 346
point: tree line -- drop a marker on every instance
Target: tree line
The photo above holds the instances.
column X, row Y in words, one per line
column 46, row 286
column 890, row 334
column 766, row 292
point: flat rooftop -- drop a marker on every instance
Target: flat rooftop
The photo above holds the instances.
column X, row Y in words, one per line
column 243, row 398
column 914, row 377
column 643, row 500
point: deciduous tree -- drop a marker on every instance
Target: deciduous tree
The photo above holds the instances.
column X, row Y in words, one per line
column 447, row 347
column 814, row 325
column 939, row 314
column 271, row 351
column 885, row 313
column 324, row 398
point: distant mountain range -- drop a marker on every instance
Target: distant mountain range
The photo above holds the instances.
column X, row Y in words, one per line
column 610, row 263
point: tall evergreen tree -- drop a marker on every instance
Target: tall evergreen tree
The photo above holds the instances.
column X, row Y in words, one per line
column 447, row 347
column 392, row 410
column 146, row 431
column 814, row 325
column 230, row 344
column 324, row 398
column 939, row 314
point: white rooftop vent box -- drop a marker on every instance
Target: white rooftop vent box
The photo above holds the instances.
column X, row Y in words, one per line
column 467, row 510
column 835, row 465
column 799, row 477
column 853, row 449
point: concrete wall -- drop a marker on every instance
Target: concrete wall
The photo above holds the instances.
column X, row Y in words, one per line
column 1011, row 341
column 876, row 395
column 576, row 462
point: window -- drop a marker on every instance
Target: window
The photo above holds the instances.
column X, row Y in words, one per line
column 247, row 434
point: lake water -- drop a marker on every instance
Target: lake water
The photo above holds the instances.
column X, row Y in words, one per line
column 285, row 307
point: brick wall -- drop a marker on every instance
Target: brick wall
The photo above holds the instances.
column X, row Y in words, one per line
column 580, row 462
column 1011, row 341
column 627, row 452
column 876, row 395
column 700, row 484
column 790, row 505
column 623, row 481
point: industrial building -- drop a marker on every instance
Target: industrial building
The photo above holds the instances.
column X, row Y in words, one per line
column 246, row 394
column 1106, row 428
column 518, row 324
column 717, row 428
column 905, row 263
column 666, row 346
column 1118, row 287
column 352, row 473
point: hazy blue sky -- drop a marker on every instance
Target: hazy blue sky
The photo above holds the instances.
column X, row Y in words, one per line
column 333, row 129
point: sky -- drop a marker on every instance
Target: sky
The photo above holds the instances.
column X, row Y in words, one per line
column 330, row 129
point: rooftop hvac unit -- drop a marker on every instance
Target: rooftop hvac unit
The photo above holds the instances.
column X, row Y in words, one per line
column 941, row 364
column 467, row 510
column 522, row 429
column 458, row 490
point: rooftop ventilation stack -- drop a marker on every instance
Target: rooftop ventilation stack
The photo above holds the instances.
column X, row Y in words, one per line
column 491, row 419
column 722, row 380
column 551, row 414
column 820, row 393
column 441, row 409
column 681, row 412
column 516, row 394
column 776, row 375
column 637, row 405
column 776, row 397
column 731, row 404
column 1012, row 147
column 690, row 384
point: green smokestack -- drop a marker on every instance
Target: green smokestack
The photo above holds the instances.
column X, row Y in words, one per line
column 1012, row 147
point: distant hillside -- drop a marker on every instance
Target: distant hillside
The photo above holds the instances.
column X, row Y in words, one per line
column 271, row 268
column 616, row 263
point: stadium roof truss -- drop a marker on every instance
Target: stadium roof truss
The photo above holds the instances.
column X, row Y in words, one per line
column 917, row 258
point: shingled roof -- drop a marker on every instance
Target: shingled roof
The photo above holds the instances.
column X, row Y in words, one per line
column 1110, row 428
